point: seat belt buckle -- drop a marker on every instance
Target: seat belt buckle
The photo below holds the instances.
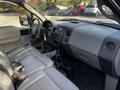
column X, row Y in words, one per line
column 18, row 68
column 45, row 38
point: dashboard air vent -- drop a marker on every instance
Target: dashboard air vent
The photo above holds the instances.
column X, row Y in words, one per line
column 68, row 33
column 110, row 46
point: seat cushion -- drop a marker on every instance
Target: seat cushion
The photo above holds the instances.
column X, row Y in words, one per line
column 60, row 80
column 38, row 81
column 21, row 53
column 31, row 65
column 31, row 58
column 51, row 79
column 47, row 61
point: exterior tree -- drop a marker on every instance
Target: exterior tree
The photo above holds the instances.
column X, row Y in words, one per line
column 39, row 5
column 34, row 2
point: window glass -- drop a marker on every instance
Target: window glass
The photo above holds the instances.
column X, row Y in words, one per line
column 65, row 9
column 90, row 6
column 10, row 12
column 7, row 8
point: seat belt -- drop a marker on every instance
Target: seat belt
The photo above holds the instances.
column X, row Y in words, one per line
column 17, row 76
column 118, row 85
column 4, row 70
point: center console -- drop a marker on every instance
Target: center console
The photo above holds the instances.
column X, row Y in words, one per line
column 61, row 34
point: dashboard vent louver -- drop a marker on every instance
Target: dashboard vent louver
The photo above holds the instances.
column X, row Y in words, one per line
column 68, row 33
column 110, row 46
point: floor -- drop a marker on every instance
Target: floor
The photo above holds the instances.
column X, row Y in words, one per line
column 84, row 76
column 91, row 79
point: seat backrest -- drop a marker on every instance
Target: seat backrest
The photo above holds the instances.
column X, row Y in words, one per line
column 5, row 64
column 5, row 82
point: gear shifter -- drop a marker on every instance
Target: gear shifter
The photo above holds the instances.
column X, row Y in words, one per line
column 44, row 36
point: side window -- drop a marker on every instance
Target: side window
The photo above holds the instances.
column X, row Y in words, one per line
column 10, row 8
column 11, row 12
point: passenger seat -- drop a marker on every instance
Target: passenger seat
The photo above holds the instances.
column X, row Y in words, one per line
column 50, row 79
column 31, row 59
column 39, row 81
column 38, row 78
column 23, row 52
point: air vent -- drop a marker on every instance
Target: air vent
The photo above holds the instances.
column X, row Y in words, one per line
column 68, row 33
column 75, row 22
column 110, row 46
column 66, row 39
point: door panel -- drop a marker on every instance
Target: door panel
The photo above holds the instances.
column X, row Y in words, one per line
column 12, row 34
column 10, row 38
column 9, row 34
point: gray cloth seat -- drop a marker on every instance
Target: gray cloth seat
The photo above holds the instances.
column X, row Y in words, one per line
column 31, row 58
column 5, row 65
column 5, row 82
column 32, row 64
column 23, row 52
column 40, row 76
column 50, row 79
column 60, row 80
column 40, row 80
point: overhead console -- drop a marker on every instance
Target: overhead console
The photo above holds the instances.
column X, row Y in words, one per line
column 98, row 46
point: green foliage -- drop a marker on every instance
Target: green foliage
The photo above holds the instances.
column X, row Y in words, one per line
column 66, row 2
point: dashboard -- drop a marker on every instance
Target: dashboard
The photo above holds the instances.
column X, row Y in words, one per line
column 96, row 45
column 61, row 34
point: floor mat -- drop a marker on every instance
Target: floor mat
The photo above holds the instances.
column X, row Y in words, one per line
column 91, row 79
column 83, row 76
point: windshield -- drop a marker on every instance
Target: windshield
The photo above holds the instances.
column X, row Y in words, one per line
column 90, row 6
column 55, row 10
column 71, row 10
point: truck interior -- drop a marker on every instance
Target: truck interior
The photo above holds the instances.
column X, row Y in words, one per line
column 59, row 55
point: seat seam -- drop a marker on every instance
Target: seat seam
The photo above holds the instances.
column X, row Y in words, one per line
column 25, row 50
column 33, row 72
column 35, row 81
column 53, row 81
column 19, row 52
column 41, row 60
column 23, row 58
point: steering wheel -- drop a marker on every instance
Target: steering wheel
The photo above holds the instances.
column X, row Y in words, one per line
column 35, row 29
column 47, row 25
